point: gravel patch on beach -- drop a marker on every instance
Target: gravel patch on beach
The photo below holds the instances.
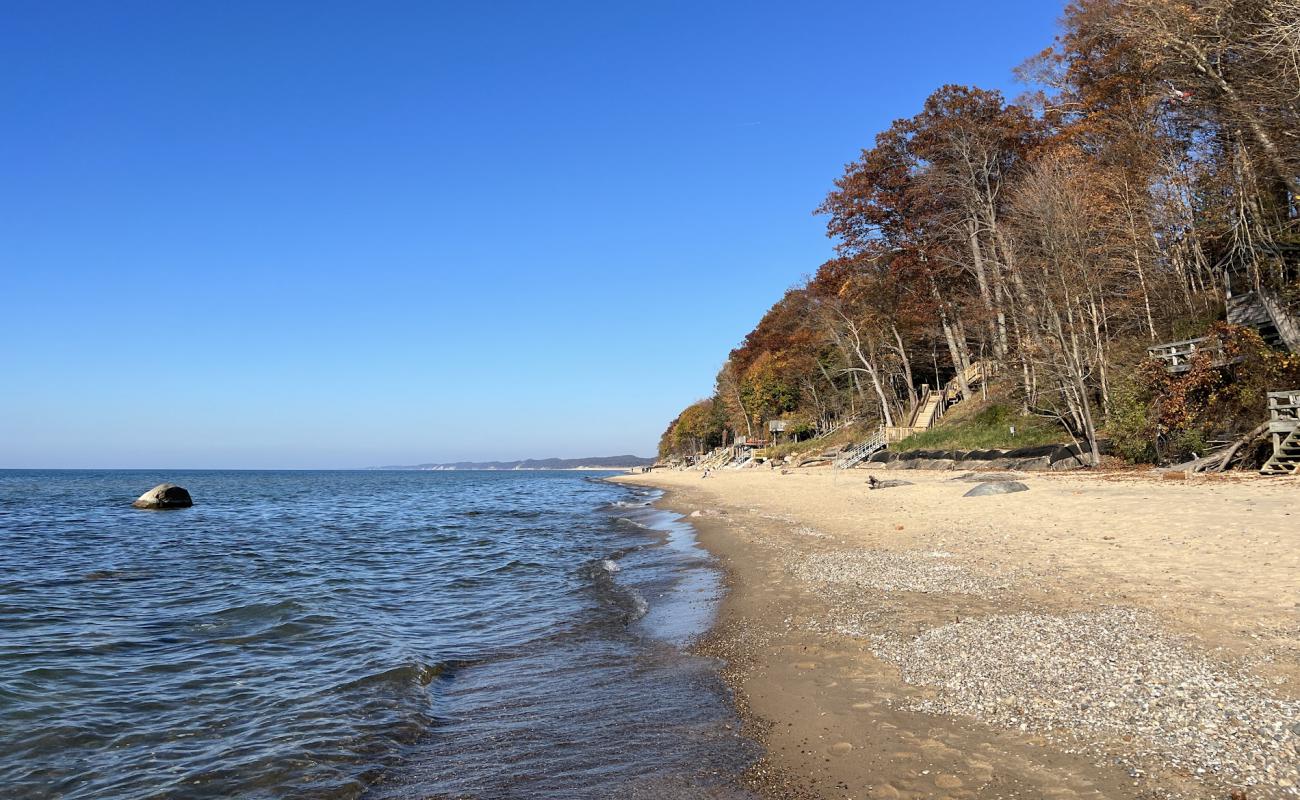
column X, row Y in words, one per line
column 1111, row 673
column 907, row 571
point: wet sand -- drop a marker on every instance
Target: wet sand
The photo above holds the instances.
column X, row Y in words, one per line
column 1095, row 637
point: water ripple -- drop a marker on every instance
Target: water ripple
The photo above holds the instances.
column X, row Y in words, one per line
column 328, row 635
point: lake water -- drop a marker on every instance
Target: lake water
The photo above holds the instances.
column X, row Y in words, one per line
column 355, row 634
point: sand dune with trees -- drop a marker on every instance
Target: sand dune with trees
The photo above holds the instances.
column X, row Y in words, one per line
column 1151, row 175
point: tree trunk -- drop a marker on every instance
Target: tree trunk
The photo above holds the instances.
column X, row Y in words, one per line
column 981, row 278
column 907, row 370
column 1205, row 65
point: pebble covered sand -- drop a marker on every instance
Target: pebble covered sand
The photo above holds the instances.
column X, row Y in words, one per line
column 1089, row 678
column 926, row 572
column 1108, row 673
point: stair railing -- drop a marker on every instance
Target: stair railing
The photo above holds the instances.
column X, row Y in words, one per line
column 1287, row 325
column 856, row 454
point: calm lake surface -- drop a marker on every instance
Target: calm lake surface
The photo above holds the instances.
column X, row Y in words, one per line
column 355, row 634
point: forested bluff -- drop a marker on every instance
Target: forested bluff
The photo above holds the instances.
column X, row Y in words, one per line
column 1152, row 174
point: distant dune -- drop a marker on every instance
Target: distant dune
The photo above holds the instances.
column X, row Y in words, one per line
column 596, row 462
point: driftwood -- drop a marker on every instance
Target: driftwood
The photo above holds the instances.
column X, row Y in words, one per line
column 1219, row 461
column 1236, row 446
column 875, row 483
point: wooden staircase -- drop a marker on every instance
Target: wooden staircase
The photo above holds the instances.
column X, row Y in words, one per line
column 929, row 410
column 934, row 404
column 1286, row 457
column 1265, row 313
column 975, row 374
column 717, row 459
column 1284, row 425
column 861, row 452
column 1278, row 327
column 1286, row 324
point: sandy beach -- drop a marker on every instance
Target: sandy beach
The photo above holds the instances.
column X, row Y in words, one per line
column 1099, row 636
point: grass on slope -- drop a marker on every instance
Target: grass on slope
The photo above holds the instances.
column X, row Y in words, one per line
column 976, row 425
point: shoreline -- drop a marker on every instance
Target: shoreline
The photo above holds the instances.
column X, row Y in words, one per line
column 854, row 624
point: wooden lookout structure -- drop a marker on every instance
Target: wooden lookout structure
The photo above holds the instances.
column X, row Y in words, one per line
column 1260, row 310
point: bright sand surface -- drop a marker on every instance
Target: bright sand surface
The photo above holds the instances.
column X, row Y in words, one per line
column 1099, row 636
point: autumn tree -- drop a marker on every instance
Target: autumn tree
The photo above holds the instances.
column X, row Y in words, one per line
column 1154, row 171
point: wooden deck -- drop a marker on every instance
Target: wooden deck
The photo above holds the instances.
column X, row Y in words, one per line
column 1178, row 356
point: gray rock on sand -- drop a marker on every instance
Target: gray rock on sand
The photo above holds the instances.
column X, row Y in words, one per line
column 997, row 487
column 987, row 477
column 164, row 496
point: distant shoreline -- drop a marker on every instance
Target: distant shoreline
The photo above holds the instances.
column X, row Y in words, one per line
column 611, row 468
column 623, row 461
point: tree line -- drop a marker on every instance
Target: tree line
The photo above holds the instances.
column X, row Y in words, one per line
column 1154, row 171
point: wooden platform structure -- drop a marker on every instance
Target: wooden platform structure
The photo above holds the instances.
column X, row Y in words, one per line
column 1178, row 355
column 1284, row 427
column 1259, row 310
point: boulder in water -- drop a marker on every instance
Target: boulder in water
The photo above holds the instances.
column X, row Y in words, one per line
column 997, row 487
column 163, row 496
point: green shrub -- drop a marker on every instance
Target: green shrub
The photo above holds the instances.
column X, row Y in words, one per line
column 1131, row 425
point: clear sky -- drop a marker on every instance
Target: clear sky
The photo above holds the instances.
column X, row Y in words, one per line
column 341, row 234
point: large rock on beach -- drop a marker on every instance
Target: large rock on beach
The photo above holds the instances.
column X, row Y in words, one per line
column 996, row 487
column 987, row 477
column 1036, row 464
column 164, row 496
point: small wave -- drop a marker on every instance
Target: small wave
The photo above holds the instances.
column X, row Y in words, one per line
column 284, row 630
column 260, row 610
column 418, row 673
column 630, row 605
column 512, row 565
column 114, row 575
column 503, row 513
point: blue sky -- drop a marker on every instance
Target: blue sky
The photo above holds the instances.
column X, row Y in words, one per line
column 328, row 234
